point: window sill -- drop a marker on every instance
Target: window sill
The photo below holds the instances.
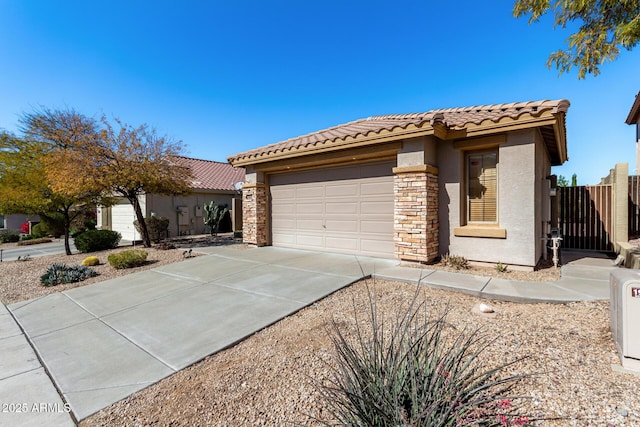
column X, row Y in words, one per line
column 492, row 232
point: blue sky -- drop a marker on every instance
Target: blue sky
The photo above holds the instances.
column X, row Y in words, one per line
column 226, row 77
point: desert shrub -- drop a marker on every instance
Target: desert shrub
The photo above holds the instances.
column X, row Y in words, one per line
column 27, row 237
column 39, row 230
column 415, row 370
column 34, row 241
column 9, row 236
column 455, row 261
column 165, row 246
column 97, row 240
column 502, row 268
column 90, row 261
column 62, row 273
column 157, row 226
column 128, row 259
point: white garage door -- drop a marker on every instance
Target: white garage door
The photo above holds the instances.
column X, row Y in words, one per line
column 344, row 209
column 122, row 217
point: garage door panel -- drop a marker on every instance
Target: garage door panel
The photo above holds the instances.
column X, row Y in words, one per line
column 341, row 190
column 283, row 223
column 122, row 218
column 308, row 192
column 342, row 243
column 284, row 239
column 309, row 224
column 349, row 226
column 376, row 227
column 346, row 209
column 376, row 206
column 341, row 208
column 376, row 187
column 309, row 208
column 284, row 209
column 310, row 241
column 283, row 193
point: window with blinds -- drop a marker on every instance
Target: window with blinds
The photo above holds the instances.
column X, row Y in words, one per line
column 482, row 187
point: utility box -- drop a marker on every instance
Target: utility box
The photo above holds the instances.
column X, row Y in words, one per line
column 625, row 316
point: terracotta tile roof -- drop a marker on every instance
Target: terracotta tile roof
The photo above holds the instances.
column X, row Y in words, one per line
column 210, row 175
column 453, row 118
column 634, row 114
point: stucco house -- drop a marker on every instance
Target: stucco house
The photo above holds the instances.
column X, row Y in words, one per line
column 472, row 182
column 212, row 181
column 634, row 119
column 15, row 221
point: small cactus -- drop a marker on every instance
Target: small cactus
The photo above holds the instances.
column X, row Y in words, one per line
column 90, row 261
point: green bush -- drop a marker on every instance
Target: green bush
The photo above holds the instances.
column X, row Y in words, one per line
column 97, row 240
column 27, row 237
column 61, row 273
column 128, row 259
column 9, row 236
column 53, row 223
column 157, row 226
column 415, row 370
column 39, row 230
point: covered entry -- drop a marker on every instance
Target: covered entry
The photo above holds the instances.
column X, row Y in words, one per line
column 346, row 209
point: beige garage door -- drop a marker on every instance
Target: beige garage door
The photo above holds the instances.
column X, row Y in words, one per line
column 344, row 209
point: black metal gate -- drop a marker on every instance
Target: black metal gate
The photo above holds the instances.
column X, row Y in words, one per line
column 585, row 217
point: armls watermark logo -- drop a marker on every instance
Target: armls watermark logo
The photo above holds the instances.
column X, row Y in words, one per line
column 40, row 407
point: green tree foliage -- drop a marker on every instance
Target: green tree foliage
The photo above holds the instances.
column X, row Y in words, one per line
column 605, row 27
column 43, row 174
column 130, row 162
column 562, row 181
column 67, row 163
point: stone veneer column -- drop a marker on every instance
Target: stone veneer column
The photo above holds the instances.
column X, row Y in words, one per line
column 254, row 214
column 416, row 213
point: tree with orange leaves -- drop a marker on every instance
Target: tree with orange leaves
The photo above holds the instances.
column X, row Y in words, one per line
column 42, row 172
column 130, row 162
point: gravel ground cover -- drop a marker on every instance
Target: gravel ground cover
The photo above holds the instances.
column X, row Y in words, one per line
column 268, row 378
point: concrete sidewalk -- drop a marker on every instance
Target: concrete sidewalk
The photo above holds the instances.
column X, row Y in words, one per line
column 584, row 276
column 102, row 342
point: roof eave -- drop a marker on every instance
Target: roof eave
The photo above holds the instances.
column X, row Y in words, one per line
column 634, row 113
column 382, row 136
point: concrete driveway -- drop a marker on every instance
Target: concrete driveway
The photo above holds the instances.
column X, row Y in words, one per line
column 103, row 342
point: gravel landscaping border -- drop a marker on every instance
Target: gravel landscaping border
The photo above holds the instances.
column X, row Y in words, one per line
column 267, row 378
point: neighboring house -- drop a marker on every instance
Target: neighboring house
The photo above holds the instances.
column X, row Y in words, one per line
column 634, row 119
column 212, row 181
column 472, row 182
column 15, row 221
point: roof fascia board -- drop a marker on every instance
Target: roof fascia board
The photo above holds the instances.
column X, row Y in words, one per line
column 384, row 151
column 634, row 113
column 348, row 142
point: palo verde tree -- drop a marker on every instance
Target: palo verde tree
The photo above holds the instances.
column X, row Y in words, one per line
column 605, row 27
column 130, row 162
column 43, row 173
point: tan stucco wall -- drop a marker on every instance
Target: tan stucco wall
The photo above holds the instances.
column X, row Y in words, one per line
column 519, row 193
